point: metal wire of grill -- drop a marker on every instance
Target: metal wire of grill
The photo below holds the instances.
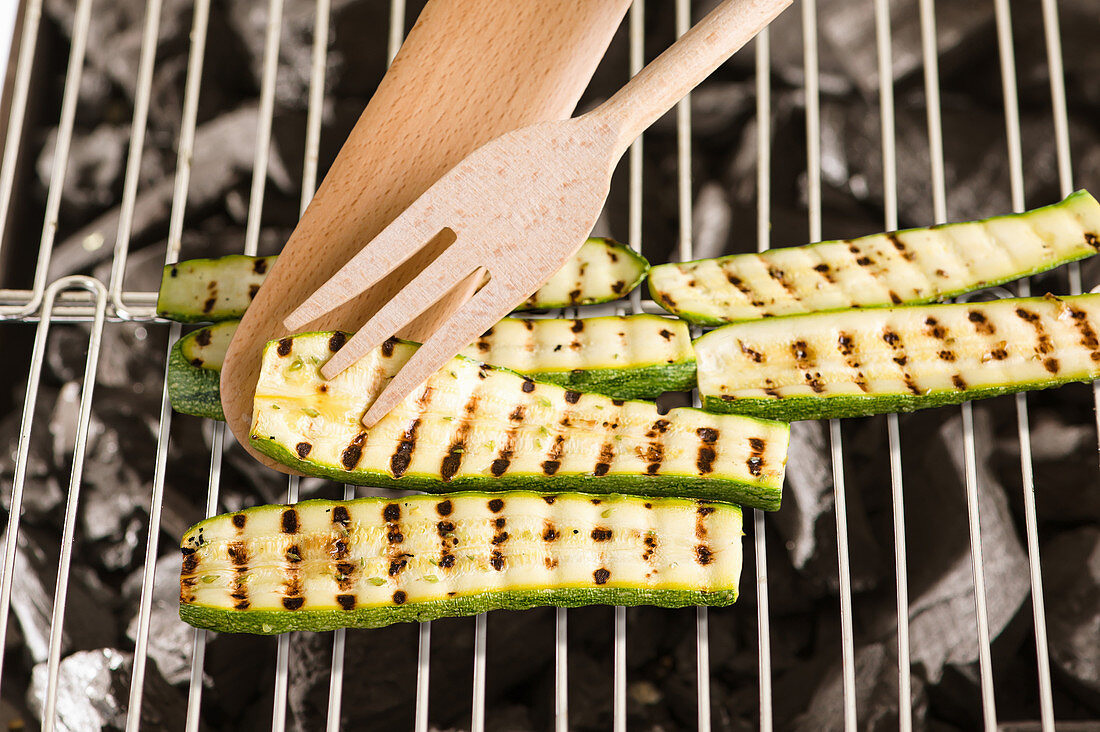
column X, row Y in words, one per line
column 81, row 298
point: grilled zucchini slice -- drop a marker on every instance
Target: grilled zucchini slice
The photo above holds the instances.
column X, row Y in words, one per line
column 194, row 370
column 320, row 565
column 211, row 290
column 625, row 357
column 862, row 362
column 480, row 427
column 904, row 267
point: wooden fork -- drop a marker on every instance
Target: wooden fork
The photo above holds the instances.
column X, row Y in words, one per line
column 545, row 183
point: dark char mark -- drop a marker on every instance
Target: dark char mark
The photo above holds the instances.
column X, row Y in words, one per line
column 603, row 464
column 239, row 520
column 553, row 461
column 601, row 576
column 337, row 341
column 290, row 521
column 703, row 555
column 601, row 533
column 444, row 508
column 351, row 454
column 283, row 349
column 203, row 337
column 346, row 602
column 293, row 603
column 303, row 449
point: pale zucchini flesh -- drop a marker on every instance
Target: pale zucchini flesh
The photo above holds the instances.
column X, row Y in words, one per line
column 482, row 427
column 626, row 357
column 320, row 565
column 222, row 288
column 873, row 361
column 904, row 267
column 210, row 290
column 602, row 270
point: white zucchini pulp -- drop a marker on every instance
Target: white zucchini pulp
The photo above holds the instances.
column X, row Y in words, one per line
column 896, row 359
column 477, row 426
column 913, row 266
column 324, row 564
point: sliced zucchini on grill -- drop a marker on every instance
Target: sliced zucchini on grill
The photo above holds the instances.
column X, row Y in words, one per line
column 209, row 290
column 320, row 565
column 602, row 270
column 625, row 357
column 482, row 427
column 862, row 362
column 913, row 266
column 194, row 370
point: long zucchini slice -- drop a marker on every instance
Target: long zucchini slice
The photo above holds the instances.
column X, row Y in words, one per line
column 321, row 565
column 863, row 362
column 210, row 290
column 626, row 357
column 480, row 427
column 904, row 267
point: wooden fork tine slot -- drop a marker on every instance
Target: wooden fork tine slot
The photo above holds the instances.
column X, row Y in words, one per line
column 437, row 280
column 477, row 315
column 393, row 246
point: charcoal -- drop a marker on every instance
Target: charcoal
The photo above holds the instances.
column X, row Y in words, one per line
column 1071, row 583
column 93, row 178
column 808, row 521
column 711, row 216
column 93, row 690
column 941, row 589
column 169, row 639
column 89, row 621
column 42, row 491
column 877, row 706
column 224, row 151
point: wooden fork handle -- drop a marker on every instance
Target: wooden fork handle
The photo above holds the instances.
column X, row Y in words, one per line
column 669, row 77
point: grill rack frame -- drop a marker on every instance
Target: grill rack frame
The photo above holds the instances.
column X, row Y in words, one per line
column 86, row 299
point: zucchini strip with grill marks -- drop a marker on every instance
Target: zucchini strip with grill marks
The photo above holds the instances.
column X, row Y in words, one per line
column 626, row 357
column 863, row 362
column 321, row 565
column 480, row 427
column 903, row 267
column 222, row 288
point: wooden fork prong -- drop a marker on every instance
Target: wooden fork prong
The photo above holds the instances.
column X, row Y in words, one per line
column 431, row 285
column 393, row 246
column 473, row 318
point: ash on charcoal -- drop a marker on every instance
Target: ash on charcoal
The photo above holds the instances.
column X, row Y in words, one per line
column 93, row 690
column 89, row 619
column 42, row 493
column 93, row 176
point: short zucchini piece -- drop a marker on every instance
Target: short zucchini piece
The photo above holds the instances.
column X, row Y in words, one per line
column 862, row 362
column 602, row 270
column 480, row 427
column 194, row 370
column 210, row 290
column 626, row 357
column 321, row 565
column 904, row 267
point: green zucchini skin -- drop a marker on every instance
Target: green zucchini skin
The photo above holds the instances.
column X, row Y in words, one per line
column 906, row 358
column 656, row 354
column 222, row 288
column 480, row 427
column 906, row 267
column 321, row 565
column 192, row 389
column 274, row 622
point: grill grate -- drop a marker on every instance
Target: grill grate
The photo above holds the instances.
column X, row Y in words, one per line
column 86, row 299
